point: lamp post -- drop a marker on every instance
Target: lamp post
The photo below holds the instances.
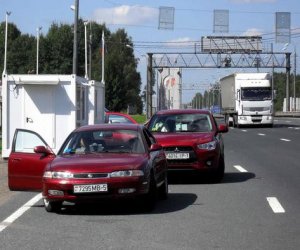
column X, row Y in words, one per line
column 103, row 59
column 5, row 43
column 37, row 48
column 76, row 11
column 85, row 48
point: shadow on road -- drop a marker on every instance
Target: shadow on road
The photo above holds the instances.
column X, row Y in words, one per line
column 175, row 202
column 193, row 178
column 235, row 177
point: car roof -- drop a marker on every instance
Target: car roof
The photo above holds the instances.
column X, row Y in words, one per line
column 127, row 126
column 183, row 111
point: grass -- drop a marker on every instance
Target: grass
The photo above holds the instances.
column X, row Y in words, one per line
column 141, row 119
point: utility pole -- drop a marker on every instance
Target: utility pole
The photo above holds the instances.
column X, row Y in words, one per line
column 294, row 83
column 103, row 60
column 37, row 48
column 5, row 43
column 287, row 90
column 85, row 51
column 75, row 60
column 149, row 87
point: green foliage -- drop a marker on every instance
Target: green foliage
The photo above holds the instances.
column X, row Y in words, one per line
column 141, row 119
column 122, row 80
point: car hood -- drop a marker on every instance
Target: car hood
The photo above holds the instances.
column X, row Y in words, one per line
column 98, row 162
column 183, row 138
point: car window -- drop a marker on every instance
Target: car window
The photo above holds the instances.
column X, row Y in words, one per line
column 104, row 141
column 118, row 119
column 26, row 141
column 181, row 123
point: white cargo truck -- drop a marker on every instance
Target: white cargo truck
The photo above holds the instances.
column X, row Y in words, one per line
column 247, row 99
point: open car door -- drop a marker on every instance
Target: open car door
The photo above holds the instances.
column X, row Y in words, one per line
column 26, row 164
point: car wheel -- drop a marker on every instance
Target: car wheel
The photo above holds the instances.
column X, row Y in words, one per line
column 164, row 189
column 148, row 200
column 52, row 206
column 219, row 173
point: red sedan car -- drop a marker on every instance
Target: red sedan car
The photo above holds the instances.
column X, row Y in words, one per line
column 192, row 140
column 95, row 162
column 116, row 117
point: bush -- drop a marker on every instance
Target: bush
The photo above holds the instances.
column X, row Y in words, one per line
column 141, row 119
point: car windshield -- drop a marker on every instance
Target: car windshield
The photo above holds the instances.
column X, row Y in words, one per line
column 256, row 94
column 180, row 123
column 103, row 141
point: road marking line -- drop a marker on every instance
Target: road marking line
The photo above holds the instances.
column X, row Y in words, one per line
column 10, row 219
column 261, row 134
column 244, row 130
column 241, row 169
column 282, row 139
column 275, row 205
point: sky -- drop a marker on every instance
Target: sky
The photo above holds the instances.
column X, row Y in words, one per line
column 193, row 19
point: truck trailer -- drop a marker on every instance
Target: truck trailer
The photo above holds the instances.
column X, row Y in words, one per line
column 247, row 99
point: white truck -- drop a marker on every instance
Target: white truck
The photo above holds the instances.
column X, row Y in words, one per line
column 247, row 99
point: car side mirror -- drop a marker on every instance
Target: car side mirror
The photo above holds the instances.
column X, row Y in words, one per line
column 42, row 150
column 223, row 128
column 155, row 147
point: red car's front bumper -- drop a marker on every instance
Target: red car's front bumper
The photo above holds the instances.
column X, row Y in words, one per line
column 63, row 189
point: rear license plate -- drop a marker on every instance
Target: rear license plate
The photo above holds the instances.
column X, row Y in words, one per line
column 95, row 188
column 175, row 156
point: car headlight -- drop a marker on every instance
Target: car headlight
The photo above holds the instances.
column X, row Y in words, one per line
column 127, row 173
column 208, row 146
column 58, row 175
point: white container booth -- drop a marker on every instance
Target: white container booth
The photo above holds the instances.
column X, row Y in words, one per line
column 51, row 105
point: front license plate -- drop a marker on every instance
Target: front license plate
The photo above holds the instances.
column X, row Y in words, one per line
column 175, row 156
column 95, row 188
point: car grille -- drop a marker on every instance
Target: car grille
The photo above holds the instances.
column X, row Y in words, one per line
column 90, row 175
column 181, row 149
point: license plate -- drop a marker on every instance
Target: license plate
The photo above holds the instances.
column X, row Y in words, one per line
column 175, row 156
column 94, row 188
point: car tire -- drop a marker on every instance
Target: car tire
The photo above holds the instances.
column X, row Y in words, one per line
column 148, row 200
column 52, row 206
column 163, row 190
column 218, row 174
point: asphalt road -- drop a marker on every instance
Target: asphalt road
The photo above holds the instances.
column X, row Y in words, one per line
column 255, row 207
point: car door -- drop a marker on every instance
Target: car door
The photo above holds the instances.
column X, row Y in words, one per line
column 25, row 167
column 157, row 156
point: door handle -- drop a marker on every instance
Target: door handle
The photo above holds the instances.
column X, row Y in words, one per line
column 29, row 120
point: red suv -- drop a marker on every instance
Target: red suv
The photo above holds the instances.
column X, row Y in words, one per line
column 192, row 140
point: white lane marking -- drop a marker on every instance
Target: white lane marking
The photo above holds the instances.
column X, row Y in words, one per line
column 283, row 139
column 244, row 130
column 261, row 134
column 9, row 220
column 297, row 128
column 275, row 205
column 241, row 169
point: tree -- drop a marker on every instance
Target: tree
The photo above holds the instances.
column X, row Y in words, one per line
column 13, row 34
column 122, row 80
column 56, row 50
